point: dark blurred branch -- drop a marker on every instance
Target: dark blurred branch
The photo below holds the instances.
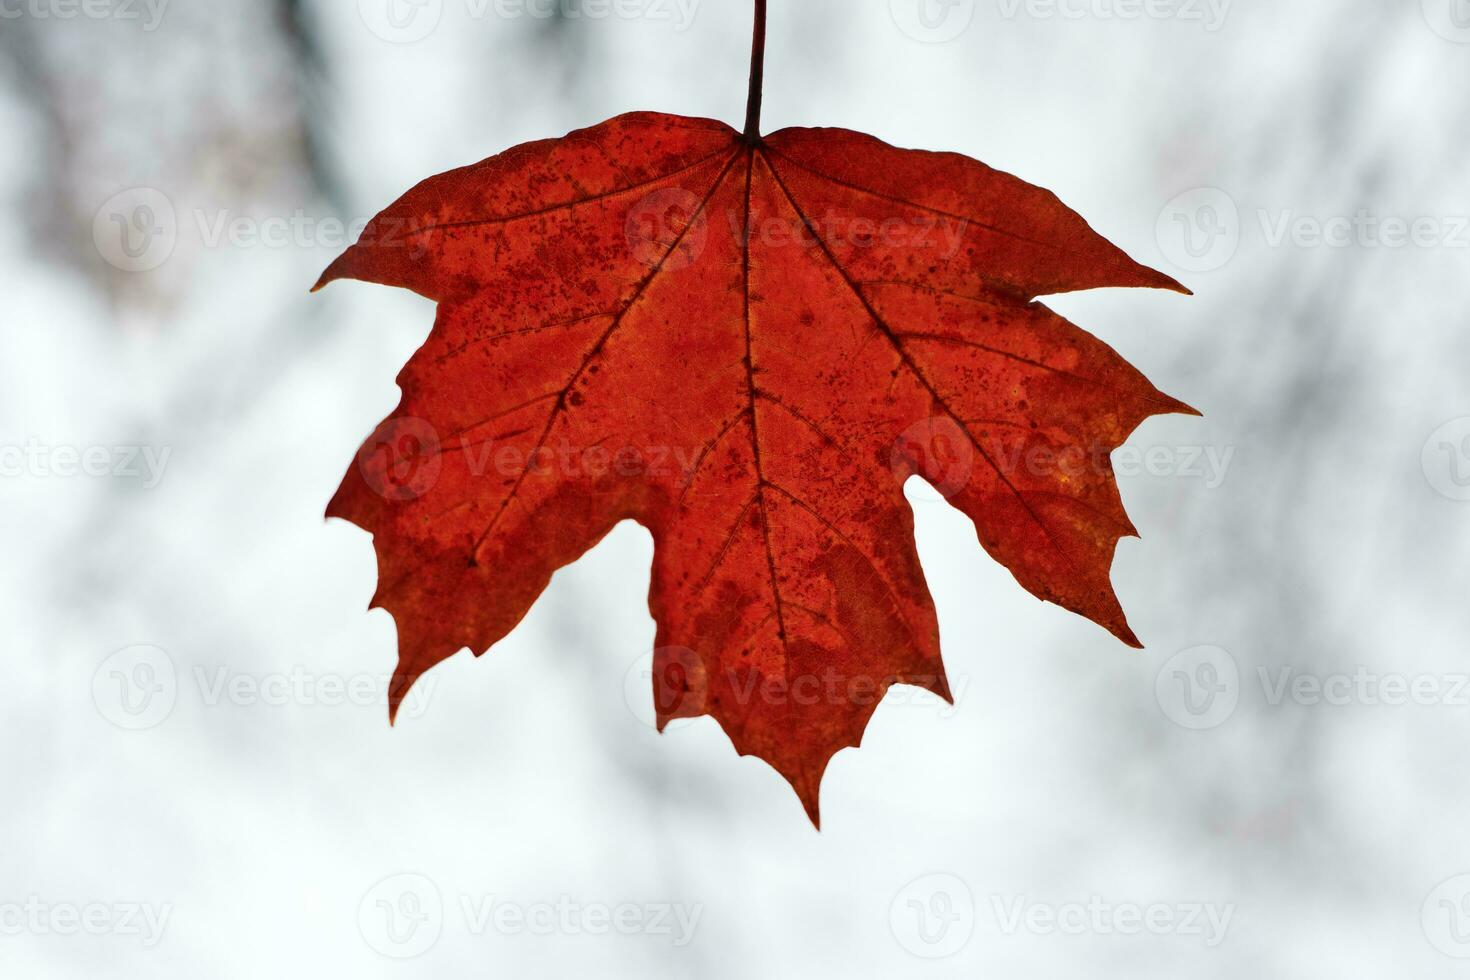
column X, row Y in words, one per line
column 49, row 212
column 298, row 29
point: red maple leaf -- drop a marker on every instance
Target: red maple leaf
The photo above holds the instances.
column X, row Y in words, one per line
column 746, row 344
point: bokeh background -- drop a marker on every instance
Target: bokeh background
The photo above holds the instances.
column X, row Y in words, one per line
column 198, row 775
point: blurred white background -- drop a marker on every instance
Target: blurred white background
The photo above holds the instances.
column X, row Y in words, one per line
column 199, row 776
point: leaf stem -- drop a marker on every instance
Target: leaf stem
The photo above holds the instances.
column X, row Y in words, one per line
column 757, row 75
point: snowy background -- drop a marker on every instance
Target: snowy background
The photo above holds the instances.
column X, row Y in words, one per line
column 199, row 778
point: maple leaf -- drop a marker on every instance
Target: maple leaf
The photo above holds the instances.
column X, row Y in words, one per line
column 746, row 344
